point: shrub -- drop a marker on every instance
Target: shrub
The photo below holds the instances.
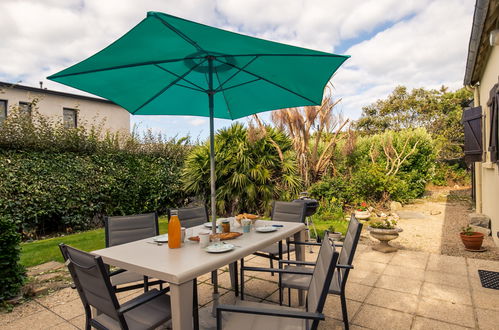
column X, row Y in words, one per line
column 59, row 179
column 249, row 170
column 12, row 274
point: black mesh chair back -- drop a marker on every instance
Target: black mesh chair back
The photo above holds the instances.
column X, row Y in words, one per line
column 192, row 216
column 92, row 281
column 129, row 228
column 288, row 211
column 347, row 252
column 321, row 278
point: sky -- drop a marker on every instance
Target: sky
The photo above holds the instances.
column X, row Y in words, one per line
column 416, row 43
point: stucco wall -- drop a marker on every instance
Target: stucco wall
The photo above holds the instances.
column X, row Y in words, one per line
column 490, row 172
column 93, row 112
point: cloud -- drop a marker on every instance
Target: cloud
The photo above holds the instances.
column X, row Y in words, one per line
column 392, row 42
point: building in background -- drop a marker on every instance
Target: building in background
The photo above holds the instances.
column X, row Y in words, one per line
column 482, row 121
column 72, row 110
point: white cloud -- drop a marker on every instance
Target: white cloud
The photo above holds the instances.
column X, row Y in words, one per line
column 414, row 43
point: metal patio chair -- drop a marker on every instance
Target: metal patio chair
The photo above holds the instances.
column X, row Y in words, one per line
column 126, row 229
column 282, row 211
column 90, row 275
column 251, row 315
column 192, row 216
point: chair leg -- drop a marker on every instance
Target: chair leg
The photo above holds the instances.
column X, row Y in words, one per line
column 241, row 293
column 344, row 310
column 195, row 311
column 271, row 256
column 146, row 283
column 234, row 278
column 289, row 297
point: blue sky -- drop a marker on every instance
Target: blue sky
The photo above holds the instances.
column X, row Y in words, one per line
column 417, row 43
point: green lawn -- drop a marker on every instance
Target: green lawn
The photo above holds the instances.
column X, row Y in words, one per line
column 39, row 252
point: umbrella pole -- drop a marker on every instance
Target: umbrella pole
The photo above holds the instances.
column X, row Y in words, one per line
column 214, row 274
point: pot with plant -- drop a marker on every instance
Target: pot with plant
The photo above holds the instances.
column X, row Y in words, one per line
column 333, row 234
column 472, row 240
column 384, row 231
column 362, row 211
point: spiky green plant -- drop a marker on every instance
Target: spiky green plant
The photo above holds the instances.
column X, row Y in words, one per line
column 249, row 170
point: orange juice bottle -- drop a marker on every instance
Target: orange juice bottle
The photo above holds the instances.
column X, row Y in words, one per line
column 174, row 232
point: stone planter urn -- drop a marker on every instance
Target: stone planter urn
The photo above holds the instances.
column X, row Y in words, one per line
column 384, row 236
column 362, row 215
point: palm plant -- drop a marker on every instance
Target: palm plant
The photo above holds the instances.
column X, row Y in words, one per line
column 250, row 172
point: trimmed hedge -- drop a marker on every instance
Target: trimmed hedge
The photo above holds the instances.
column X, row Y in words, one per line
column 12, row 274
column 44, row 192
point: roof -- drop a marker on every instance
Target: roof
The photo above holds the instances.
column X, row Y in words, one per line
column 484, row 20
column 52, row 92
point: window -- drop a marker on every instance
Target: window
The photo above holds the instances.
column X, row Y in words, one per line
column 3, row 110
column 69, row 117
column 25, row 108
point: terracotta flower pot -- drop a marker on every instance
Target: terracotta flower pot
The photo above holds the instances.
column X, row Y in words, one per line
column 472, row 242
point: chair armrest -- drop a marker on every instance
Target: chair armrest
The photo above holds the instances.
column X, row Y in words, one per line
column 344, row 266
column 297, row 262
column 303, row 243
column 270, row 312
column 142, row 299
column 276, row 270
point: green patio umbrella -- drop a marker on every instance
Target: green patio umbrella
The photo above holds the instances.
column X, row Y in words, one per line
column 168, row 65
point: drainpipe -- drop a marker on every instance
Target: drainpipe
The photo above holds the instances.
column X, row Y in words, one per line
column 478, row 165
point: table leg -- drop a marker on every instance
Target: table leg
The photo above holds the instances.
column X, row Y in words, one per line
column 181, row 303
column 300, row 255
column 234, row 278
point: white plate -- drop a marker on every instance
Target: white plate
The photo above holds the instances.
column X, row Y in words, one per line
column 219, row 248
column 207, row 224
column 161, row 238
column 265, row 229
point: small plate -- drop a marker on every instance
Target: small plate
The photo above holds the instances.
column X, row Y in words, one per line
column 219, row 248
column 265, row 229
column 208, row 224
column 161, row 238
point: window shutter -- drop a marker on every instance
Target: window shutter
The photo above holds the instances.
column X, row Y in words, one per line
column 472, row 121
column 493, row 105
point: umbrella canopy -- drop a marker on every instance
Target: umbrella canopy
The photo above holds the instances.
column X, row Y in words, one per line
column 167, row 65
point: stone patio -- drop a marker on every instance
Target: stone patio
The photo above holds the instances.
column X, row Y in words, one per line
column 403, row 290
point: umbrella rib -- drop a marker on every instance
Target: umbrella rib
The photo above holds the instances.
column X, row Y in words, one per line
column 183, row 78
column 125, row 66
column 167, row 87
column 225, row 98
column 269, row 81
column 179, row 33
column 234, row 86
column 220, row 87
column 194, row 89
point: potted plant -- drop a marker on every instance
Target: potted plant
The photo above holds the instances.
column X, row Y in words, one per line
column 362, row 211
column 472, row 240
column 333, row 234
column 384, row 231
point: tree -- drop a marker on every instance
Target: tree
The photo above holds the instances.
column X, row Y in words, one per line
column 314, row 132
column 439, row 111
column 250, row 171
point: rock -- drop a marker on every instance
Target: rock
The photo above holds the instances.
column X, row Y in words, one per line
column 456, row 186
column 480, row 220
column 39, row 290
column 435, row 212
column 482, row 230
column 382, row 215
column 395, row 206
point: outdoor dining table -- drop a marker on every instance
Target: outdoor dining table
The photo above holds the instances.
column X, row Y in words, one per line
column 179, row 267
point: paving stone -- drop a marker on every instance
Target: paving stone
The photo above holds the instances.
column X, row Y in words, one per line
column 331, row 324
column 41, row 320
column 487, row 300
column 363, row 277
column 410, row 262
column 332, row 307
column 259, row 288
column 69, row 310
column 374, row 267
column 357, row 292
column 405, row 272
column 63, row 326
column 447, row 264
column 20, row 311
column 51, row 265
column 48, row 276
column 447, row 293
column 373, row 256
column 487, row 319
column 400, row 301
column 422, row 323
column 475, row 264
column 58, row 297
column 78, row 321
column 205, row 293
column 446, row 311
column 458, row 281
column 399, row 284
column 374, row 317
